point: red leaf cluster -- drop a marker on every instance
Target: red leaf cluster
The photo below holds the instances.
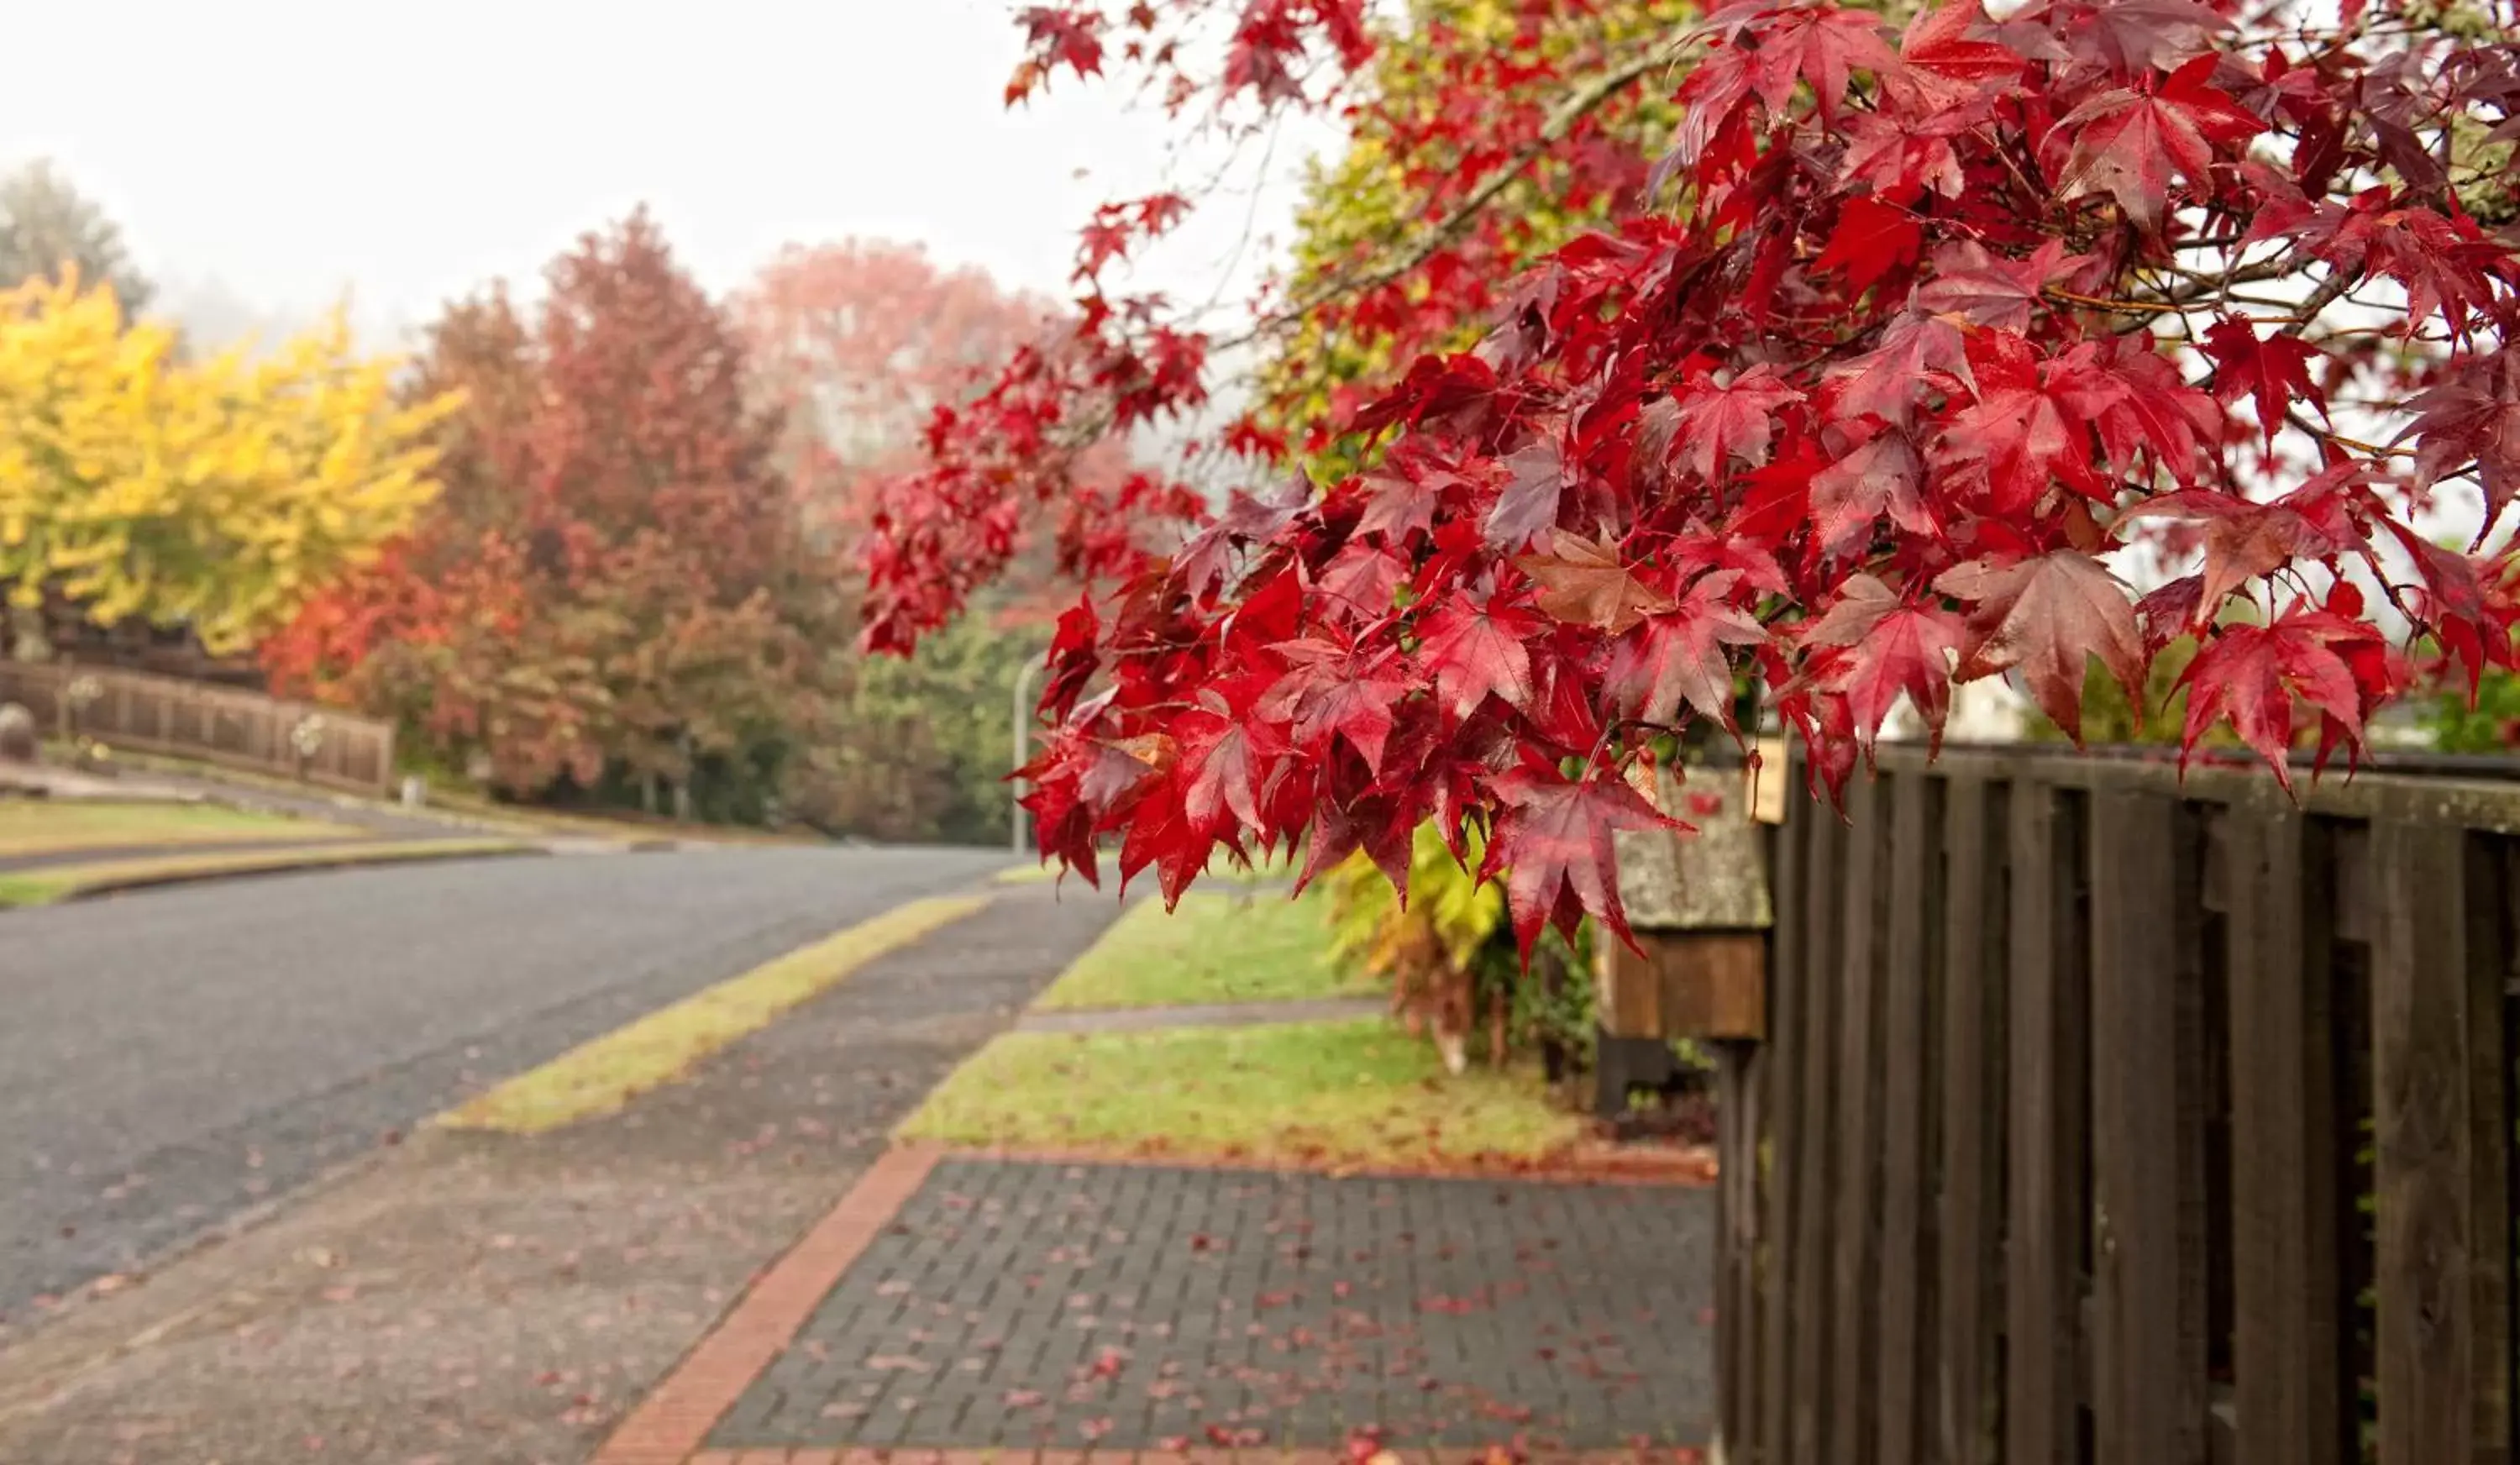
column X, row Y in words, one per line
column 1906, row 341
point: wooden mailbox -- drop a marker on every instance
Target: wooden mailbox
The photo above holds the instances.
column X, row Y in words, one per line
column 1700, row 906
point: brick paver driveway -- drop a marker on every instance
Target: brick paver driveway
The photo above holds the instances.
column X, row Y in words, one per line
column 1039, row 1305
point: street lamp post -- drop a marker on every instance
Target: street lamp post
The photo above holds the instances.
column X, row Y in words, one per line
column 1023, row 748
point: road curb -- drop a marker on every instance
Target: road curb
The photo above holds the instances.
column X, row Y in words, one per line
column 278, row 862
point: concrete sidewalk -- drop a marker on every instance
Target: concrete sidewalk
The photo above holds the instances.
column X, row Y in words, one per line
column 477, row 1298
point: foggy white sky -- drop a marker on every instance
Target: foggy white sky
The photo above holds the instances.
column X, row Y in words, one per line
column 277, row 151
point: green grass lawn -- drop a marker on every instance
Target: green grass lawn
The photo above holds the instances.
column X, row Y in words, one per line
column 1358, row 1093
column 1214, row 948
column 44, row 827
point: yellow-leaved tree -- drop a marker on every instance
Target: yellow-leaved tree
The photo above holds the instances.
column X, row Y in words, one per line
column 1370, row 209
column 216, row 495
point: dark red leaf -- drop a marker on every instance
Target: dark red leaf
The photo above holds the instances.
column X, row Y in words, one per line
column 1677, row 660
column 2251, row 675
column 2049, row 616
column 1474, row 652
column 1553, row 847
column 1892, row 649
column 2129, row 144
column 2271, row 369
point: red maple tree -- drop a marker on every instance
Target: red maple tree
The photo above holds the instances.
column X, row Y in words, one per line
column 856, row 345
column 613, row 583
column 1911, row 334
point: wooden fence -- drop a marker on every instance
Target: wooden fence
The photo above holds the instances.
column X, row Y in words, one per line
column 2106, row 1118
column 215, row 724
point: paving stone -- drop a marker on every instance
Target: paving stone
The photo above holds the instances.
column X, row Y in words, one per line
column 1030, row 1305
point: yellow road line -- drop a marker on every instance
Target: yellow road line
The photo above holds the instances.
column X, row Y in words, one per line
column 602, row 1076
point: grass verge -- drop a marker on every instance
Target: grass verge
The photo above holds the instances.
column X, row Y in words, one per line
column 1220, row 871
column 53, row 884
column 602, row 1076
column 47, row 826
column 1336, row 1094
column 1255, row 948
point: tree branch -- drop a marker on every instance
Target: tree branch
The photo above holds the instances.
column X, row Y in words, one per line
column 1578, row 104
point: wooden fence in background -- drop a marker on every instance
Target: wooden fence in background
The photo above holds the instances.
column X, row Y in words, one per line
column 2109, row 1118
column 214, row 723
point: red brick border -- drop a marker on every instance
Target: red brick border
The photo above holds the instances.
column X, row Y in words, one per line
column 1693, row 1165
column 670, row 1425
column 1256, row 1456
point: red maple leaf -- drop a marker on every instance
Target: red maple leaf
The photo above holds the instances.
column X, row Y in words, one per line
column 2140, row 407
column 1416, row 481
column 1332, row 692
column 1716, row 423
column 2243, row 540
column 1363, row 580
column 2271, row 370
column 1677, row 660
column 2142, row 35
column 1902, row 156
column 1823, row 46
column 1331, row 698
column 1990, row 290
column 2474, row 416
column 2023, row 431
column 1553, row 846
column 1892, row 649
column 1227, row 757
column 1871, row 238
column 2440, row 260
column 1477, row 651
column 1527, row 507
column 2251, row 675
column 2049, row 616
column 1850, row 497
column 2127, row 142
column 1377, row 824
column 1885, row 381
column 1944, row 65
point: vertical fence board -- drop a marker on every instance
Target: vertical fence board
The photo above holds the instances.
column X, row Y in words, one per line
column 2442, row 1268
column 1816, row 1310
column 2042, row 1312
column 1856, row 1194
column 1969, row 1210
column 1789, row 1007
column 1903, row 1347
column 2287, row 1323
column 2147, row 1144
column 1737, row 1064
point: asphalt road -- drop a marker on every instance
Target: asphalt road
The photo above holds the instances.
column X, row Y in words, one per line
column 171, row 1059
